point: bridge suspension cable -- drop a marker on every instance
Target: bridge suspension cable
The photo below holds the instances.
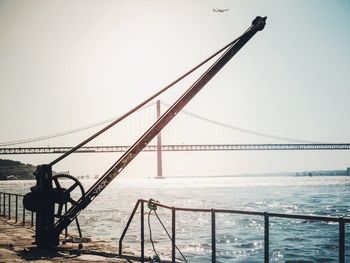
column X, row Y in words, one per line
column 68, row 132
column 225, row 125
column 244, row 130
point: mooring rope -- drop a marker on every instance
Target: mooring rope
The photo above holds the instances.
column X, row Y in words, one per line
column 153, row 207
column 156, row 258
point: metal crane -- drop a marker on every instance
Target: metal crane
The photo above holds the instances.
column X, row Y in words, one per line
column 48, row 197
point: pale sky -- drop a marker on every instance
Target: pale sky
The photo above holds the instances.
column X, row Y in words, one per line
column 66, row 64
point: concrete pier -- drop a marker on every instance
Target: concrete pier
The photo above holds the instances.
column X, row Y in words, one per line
column 16, row 246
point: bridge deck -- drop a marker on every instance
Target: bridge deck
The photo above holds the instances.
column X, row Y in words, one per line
column 184, row 147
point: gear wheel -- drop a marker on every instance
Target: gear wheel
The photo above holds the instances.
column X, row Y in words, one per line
column 66, row 194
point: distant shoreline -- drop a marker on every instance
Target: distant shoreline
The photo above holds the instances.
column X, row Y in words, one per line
column 258, row 175
column 14, row 170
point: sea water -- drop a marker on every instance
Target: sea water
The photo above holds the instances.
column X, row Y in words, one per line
column 239, row 238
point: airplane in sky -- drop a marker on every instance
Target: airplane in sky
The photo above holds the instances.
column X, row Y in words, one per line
column 220, row 10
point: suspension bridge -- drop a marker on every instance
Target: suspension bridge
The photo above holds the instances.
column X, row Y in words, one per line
column 117, row 143
column 164, row 142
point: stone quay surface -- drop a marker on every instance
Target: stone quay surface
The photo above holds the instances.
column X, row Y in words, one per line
column 16, row 246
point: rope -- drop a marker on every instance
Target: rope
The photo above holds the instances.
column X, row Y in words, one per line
column 153, row 207
column 160, row 221
column 156, row 258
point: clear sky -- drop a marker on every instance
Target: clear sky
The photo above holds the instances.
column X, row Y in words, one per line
column 66, row 64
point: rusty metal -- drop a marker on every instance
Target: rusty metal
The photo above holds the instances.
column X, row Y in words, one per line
column 23, row 216
column 4, row 205
column 7, row 209
column 16, row 209
column 341, row 240
column 9, row 206
column 142, row 231
column 127, row 227
column 173, row 236
column 266, row 237
column 41, row 199
column 159, row 146
column 257, row 25
column 213, row 236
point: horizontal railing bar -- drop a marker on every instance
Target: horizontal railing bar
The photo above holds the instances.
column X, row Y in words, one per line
column 310, row 217
column 12, row 194
column 256, row 213
column 242, row 212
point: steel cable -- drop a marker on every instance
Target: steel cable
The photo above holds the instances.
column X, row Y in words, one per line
column 243, row 129
column 68, row 132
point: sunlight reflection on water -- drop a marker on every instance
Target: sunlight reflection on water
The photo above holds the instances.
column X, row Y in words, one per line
column 239, row 238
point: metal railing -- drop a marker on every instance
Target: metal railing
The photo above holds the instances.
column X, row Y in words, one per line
column 11, row 207
column 266, row 215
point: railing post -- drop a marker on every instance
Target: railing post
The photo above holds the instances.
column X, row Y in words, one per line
column 127, row 226
column 16, row 208
column 266, row 237
column 24, row 216
column 0, row 205
column 9, row 206
column 341, row 241
column 142, row 233
column 173, row 230
column 213, row 238
column 4, row 205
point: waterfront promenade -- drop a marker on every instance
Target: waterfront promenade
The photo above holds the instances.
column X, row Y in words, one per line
column 16, row 246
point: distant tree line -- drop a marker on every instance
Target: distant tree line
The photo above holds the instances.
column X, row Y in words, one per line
column 15, row 170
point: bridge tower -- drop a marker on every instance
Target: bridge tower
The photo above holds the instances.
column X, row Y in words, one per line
column 159, row 148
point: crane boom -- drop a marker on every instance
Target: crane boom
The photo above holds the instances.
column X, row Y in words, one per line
column 257, row 25
column 134, row 150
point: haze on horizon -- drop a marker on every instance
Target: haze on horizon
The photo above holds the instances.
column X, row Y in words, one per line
column 66, row 64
